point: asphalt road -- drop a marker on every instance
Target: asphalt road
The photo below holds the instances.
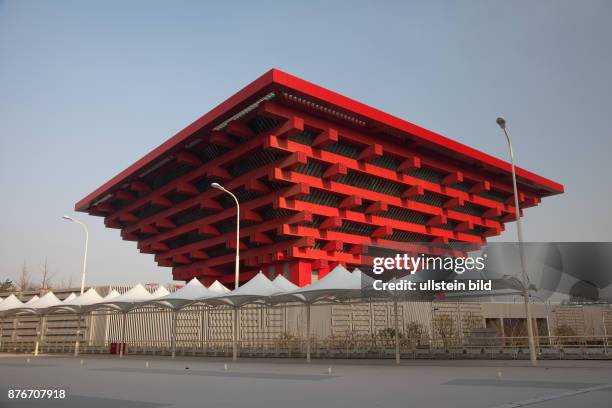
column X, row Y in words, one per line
column 139, row 381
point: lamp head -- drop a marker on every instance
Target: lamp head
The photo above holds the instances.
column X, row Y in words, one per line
column 501, row 122
column 67, row 217
column 217, row 186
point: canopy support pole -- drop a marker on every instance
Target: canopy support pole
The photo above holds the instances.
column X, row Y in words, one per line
column 39, row 337
column 396, row 332
column 201, row 327
column 123, row 316
column 205, row 328
column 308, row 332
column 235, row 335
column 173, row 338
column 78, row 333
column 1, row 332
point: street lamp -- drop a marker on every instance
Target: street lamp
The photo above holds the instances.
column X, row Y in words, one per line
column 519, row 230
column 220, row 187
column 236, row 284
column 69, row 218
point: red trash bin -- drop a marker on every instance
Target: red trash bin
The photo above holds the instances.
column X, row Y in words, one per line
column 113, row 348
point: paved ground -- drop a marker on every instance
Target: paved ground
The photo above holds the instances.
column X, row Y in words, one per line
column 106, row 381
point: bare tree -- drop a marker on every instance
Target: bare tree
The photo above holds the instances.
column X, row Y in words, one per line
column 24, row 283
column 66, row 283
column 46, row 276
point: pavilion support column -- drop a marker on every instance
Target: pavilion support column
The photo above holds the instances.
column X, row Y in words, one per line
column 14, row 333
column 235, row 334
column 1, row 332
column 78, row 333
column 284, row 319
column 123, row 318
column 201, row 337
column 205, row 336
column 40, row 334
column 308, row 332
column 173, row 334
column 396, row 331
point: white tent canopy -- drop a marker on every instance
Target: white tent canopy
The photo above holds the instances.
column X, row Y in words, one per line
column 218, row 287
column 32, row 300
column 284, row 284
column 130, row 299
column 11, row 302
column 184, row 296
column 111, row 295
column 80, row 304
column 256, row 289
column 39, row 306
column 337, row 282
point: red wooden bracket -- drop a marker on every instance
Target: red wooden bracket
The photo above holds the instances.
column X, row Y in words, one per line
column 325, row 138
column 492, row 213
column 125, row 195
column 413, row 192
column 382, row 232
column 198, row 254
column 140, row 186
column 187, row 188
column 188, row 158
column 210, row 204
column 370, row 152
column 333, row 246
column 453, row 178
column 257, row 186
column 335, row 171
column 454, row 203
column 351, row 201
column 161, row 201
column 221, row 139
column 437, row 220
column 293, row 161
column 377, row 207
column 239, row 129
column 411, row 163
column 331, row 223
column 208, row 230
column 481, row 186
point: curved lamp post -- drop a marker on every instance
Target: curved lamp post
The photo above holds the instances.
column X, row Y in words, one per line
column 519, row 230
column 78, row 333
column 237, row 273
column 69, row 218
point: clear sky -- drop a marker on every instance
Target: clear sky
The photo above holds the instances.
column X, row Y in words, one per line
column 87, row 88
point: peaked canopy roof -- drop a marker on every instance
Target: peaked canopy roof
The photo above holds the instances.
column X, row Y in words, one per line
column 82, row 303
column 284, row 284
column 218, row 287
column 338, row 282
column 259, row 288
column 187, row 294
column 39, row 306
column 32, row 300
column 11, row 302
column 130, row 299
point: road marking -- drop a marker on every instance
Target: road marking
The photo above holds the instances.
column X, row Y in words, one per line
column 526, row 403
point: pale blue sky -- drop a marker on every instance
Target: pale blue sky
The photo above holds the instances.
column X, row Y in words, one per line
column 88, row 87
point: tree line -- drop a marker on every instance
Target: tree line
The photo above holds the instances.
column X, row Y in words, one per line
column 43, row 281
